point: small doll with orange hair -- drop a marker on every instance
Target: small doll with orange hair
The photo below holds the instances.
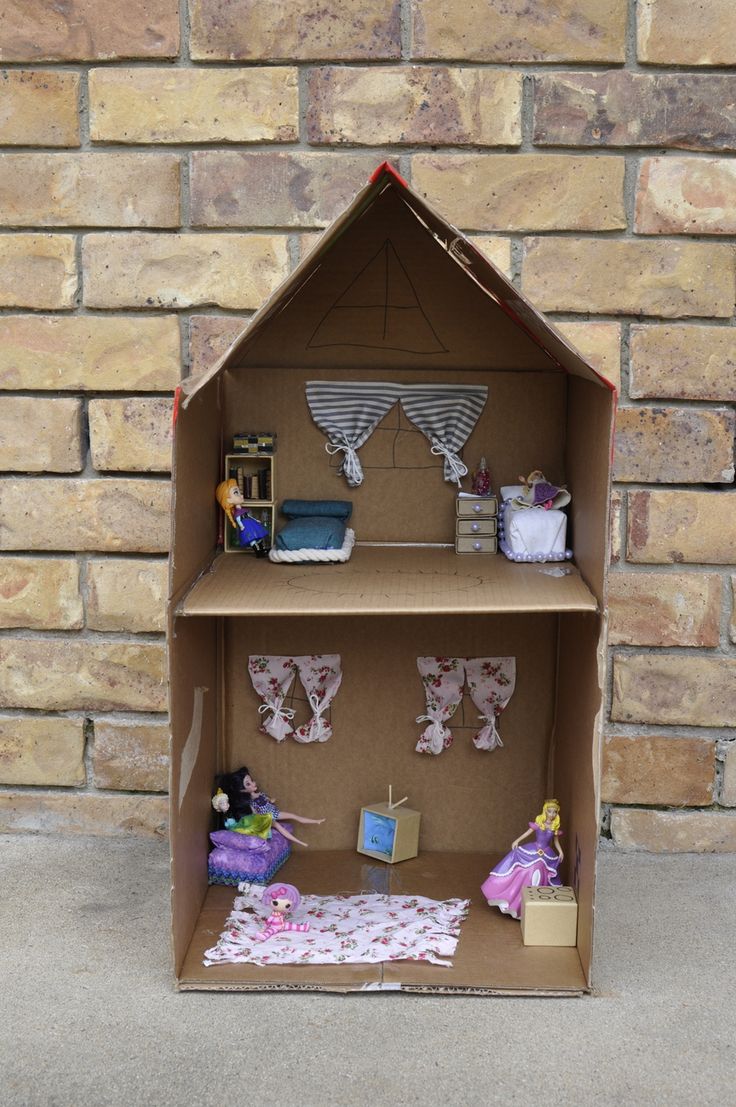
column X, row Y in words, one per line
column 535, row 864
column 248, row 531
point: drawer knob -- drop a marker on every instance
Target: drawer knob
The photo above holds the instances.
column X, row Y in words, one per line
column 475, row 527
column 477, row 508
column 477, row 545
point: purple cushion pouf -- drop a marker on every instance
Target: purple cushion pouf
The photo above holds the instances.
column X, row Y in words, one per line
column 239, row 857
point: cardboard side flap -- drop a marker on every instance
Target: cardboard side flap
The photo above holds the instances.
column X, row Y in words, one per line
column 193, row 681
column 588, row 450
column 197, row 458
column 576, row 772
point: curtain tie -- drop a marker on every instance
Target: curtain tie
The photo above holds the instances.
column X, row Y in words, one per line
column 282, row 712
column 437, row 732
column 453, row 465
column 278, row 725
column 318, row 705
column 316, row 730
column 350, row 466
column 488, row 738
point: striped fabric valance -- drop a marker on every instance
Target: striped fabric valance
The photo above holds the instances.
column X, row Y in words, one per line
column 349, row 411
column 446, row 415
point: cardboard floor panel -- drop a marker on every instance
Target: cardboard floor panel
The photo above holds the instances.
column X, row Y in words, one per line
column 385, row 580
column 322, row 872
column 490, row 956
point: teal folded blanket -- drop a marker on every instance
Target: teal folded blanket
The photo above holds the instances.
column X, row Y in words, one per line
column 314, row 524
column 333, row 509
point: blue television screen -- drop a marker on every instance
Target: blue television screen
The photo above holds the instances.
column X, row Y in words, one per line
column 379, row 833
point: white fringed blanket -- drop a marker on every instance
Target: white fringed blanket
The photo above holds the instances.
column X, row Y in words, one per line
column 362, row 929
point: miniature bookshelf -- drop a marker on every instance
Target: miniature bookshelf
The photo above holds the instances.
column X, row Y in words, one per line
column 255, row 475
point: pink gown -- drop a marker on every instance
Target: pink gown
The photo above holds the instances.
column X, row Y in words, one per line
column 531, row 863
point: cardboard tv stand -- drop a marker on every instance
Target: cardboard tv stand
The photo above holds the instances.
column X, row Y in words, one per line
column 393, row 292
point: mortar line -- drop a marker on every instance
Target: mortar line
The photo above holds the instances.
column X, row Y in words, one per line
column 406, row 32
column 76, row 713
column 526, row 114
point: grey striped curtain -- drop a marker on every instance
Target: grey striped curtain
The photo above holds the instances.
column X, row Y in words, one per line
column 348, row 412
column 446, row 415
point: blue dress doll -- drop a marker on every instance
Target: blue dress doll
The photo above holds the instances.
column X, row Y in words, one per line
column 248, row 530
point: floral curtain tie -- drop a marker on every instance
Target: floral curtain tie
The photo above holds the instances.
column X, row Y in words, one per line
column 279, row 725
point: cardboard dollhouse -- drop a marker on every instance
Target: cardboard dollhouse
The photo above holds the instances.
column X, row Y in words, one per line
column 392, row 292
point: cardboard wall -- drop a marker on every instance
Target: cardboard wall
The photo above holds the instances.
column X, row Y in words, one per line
column 576, row 777
column 404, row 497
column 588, row 446
column 197, row 465
column 469, row 799
column 195, row 695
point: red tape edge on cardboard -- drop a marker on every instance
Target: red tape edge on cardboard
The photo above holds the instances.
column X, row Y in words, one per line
column 386, row 167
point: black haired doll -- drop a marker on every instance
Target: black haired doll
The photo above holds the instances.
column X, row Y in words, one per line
column 239, row 798
column 231, row 799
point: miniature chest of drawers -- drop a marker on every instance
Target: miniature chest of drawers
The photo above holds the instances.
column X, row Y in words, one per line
column 475, row 526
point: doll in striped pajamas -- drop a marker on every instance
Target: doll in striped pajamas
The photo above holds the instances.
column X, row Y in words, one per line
column 282, row 899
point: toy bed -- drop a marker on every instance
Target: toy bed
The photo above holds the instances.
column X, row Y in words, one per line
column 242, row 857
column 316, row 531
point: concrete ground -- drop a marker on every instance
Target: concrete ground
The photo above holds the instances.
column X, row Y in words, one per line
column 90, row 1015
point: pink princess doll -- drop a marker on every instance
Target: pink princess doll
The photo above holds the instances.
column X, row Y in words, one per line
column 531, row 865
column 248, row 531
column 282, row 899
column 239, row 795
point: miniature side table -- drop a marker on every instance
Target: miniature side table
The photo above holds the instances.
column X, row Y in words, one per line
column 476, row 524
column 549, row 916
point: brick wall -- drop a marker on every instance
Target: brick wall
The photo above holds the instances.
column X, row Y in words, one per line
column 161, row 171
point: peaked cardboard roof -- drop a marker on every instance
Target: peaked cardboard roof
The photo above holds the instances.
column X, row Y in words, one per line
column 382, row 287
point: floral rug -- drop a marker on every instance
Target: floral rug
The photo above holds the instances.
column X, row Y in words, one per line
column 362, row 929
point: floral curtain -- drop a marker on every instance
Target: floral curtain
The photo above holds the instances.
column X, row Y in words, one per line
column 490, row 682
column 272, row 677
column 321, row 676
column 443, row 679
